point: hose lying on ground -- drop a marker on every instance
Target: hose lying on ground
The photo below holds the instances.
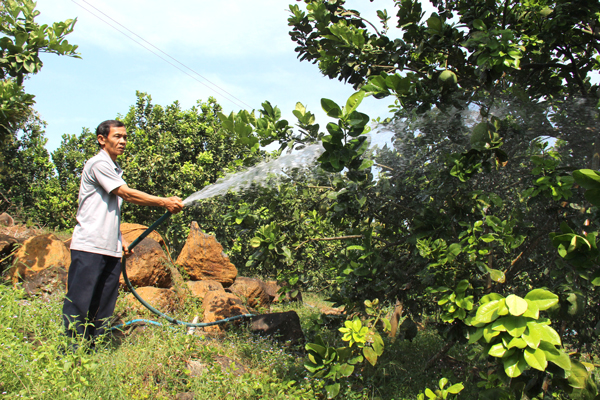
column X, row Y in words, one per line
column 148, row 306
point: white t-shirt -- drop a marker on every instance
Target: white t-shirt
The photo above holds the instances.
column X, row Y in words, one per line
column 99, row 213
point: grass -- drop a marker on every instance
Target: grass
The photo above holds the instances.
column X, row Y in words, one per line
column 152, row 362
column 162, row 362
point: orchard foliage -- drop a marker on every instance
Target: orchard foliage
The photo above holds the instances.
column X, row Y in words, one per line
column 481, row 213
column 21, row 43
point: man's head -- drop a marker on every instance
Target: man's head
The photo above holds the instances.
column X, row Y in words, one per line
column 112, row 137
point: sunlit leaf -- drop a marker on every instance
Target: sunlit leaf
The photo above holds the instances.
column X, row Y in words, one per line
column 536, row 358
column 543, row 298
column 514, row 365
column 516, row 305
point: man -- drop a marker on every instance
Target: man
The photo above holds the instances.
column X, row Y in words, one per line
column 97, row 244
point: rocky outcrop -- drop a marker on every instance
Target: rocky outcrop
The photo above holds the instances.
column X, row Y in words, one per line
column 131, row 232
column 147, row 266
column 272, row 289
column 202, row 258
column 253, row 290
column 6, row 220
column 283, row 326
column 47, row 281
column 7, row 244
column 227, row 365
column 37, row 254
column 199, row 289
column 220, row 305
column 164, row 300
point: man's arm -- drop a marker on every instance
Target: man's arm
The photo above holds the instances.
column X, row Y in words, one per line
column 173, row 204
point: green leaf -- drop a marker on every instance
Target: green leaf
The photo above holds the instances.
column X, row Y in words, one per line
column 487, row 312
column 331, row 108
column 355, row 247
column 255, row 242
column 346, row 370
column 370, row 355
column 533, row 310
column 332, row 390
column 549, row 335
column 516, row 305
column 593, row 196
column 578, row 376
column 532, row 337
column 587, row 178
column 320, row 350
column 456, row 388
column 489, row 334
column 595, row 278
column 365, row 164
column 434, row 23
column 490, row 297
column 514, row 365
column 543, row 298
column 516, row 342
column 536, row 358
column 556, row 356
column 474, row 335
column 497, row 350
column 353, row 102
column 479, row 25
column 462, row 286
column 496, row 275
column 443, row 382
column 378, row 344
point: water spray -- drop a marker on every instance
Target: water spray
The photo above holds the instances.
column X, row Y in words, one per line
column 255, row 175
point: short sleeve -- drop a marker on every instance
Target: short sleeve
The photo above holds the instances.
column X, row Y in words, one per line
column 107, row 175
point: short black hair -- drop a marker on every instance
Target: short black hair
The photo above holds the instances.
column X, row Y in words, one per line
column 104, row 127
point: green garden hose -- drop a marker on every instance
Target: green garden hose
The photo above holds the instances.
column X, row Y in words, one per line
column 148, row 306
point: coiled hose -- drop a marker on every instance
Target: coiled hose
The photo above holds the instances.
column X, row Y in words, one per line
column 148, row 306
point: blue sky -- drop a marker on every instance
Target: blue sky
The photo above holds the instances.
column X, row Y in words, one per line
column 241, row 46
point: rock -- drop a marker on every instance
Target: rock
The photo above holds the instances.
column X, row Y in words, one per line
column 290, row 295
column 253, row 290
column 131, row 232
column 148, row 266
column 200, row 288
column 272, row 290
column 164, row 300
column 227, row 365
column 6, row 220
column 38, row 253
column 284, row 326
column 220, row 305
column 203, row 258
column 46, row 281
column 230, row 366
column 185, row 396
column 7, row 244
column 196, row 368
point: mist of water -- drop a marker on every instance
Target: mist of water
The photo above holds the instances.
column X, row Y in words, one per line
column 259, row 174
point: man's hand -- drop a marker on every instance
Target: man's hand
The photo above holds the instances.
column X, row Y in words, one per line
column 126, row 252
column 173, row 204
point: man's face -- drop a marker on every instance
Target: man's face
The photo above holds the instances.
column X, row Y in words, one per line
column 115, row 143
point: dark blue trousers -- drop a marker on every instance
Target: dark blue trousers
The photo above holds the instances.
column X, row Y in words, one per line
column 93, row 287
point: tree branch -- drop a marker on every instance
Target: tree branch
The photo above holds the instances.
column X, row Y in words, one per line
column 329, row 238
column 352, row 13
